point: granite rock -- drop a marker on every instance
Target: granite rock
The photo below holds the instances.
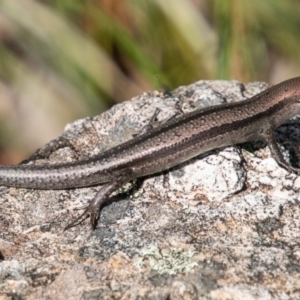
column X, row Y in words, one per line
column 223, row 225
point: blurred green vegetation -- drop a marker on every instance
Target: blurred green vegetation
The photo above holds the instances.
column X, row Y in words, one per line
column 65, row 59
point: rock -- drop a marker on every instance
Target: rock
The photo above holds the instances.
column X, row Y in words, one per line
column 220, row 226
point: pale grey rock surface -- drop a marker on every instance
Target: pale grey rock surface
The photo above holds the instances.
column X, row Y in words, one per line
column 224, row 225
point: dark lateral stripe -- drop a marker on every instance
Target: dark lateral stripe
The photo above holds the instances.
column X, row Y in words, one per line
column 227, row 127
column 206, row 134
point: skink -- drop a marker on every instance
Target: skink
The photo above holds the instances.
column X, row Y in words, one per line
column 167, row 145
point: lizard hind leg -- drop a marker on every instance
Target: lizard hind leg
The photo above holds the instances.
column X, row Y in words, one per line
column 96, row 204
column 48, row 149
